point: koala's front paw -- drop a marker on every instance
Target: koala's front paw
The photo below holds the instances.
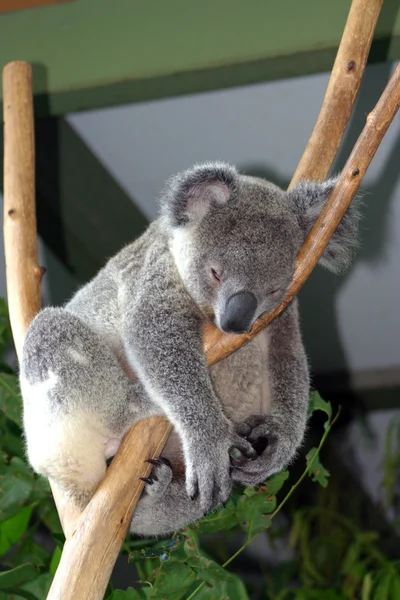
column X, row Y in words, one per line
column 274, row 446
column 156, row 484
column 208, row 467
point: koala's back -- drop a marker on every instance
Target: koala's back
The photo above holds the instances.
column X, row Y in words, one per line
column 99, row 303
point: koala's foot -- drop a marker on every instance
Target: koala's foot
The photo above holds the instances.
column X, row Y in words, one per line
column 164, row 506
column 156, row 484
column 275, row 446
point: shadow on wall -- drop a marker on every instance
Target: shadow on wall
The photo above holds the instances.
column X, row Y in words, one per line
column 317, row 298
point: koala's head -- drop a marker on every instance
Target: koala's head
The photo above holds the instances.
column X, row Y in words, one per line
column 235, row 239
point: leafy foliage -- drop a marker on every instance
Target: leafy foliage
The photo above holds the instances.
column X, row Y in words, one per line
column 391, row 463
column 333, row 559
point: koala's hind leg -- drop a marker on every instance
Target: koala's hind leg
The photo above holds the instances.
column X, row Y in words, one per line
column 77, row 401
column 164, row 506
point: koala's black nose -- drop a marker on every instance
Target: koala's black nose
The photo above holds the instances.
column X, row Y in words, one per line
column 239, row 313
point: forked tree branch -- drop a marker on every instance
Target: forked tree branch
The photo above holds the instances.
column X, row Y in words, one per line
column 88, row 557
column 341, row 92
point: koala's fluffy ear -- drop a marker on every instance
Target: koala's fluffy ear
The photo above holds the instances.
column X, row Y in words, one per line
column 190, row 194
column 308, row 198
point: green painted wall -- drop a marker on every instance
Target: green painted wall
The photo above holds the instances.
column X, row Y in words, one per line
column 93, row 53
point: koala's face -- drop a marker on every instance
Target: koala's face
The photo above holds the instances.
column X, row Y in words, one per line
column 235, row 240
column 237, row 261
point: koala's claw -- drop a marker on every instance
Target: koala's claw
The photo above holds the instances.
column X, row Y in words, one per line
column 160, row 460
column 159, row 479
column 195, row 494
column 274, row 448
column 208, row 468
column 149, row 480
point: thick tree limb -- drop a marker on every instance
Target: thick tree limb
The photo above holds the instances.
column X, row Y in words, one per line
column 23, row 273
column 341, row 92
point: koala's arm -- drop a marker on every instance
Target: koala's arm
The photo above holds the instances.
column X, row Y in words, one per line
column 280, row 432
column 162, row 335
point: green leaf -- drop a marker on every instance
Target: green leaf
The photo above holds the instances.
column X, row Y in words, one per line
column 395, row 587
column 232, row 589
column 275, row 483
column 16, row 577
column 317, row 471
column 10, row 398
column 173, row 580
column 19, row 594
column 161, row 550
column 366, row 588
column 382, row 590
column 253, row 512
column 55, row 559
column 48, row 514
column 40, row 489
column 191, row 544
column 16, row 484
column 5, row 327
column 317, row 403
column 222, row 520
column 207, row 569
column 11, row 442
column 28, row 551
column 320, row 594
column 129, row 594
column 13, row 529
column 39, row 587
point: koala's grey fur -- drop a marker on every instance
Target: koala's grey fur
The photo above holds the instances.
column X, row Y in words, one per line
column 220, row 236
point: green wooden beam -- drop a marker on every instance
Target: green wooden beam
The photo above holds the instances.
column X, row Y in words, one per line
column 83, row 215
column 94, row 53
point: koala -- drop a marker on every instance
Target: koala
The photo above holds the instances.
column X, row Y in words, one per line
column 129, row 345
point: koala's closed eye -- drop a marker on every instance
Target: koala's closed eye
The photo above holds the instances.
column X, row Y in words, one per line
column 216, row 276
column 273, row 292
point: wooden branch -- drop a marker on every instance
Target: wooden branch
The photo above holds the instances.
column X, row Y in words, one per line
column 20, row 243
column 341, row 92
column 23, row 272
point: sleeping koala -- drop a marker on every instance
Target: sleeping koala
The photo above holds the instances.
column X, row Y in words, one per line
column 223, row 249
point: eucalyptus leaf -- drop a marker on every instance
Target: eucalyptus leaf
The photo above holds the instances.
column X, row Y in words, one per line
column 229, row 589
column 16, row 485
column 276, row 482
column 28, row 551
column 5, row 327
column 55, row 559
column 129, row 594
column 254, row 513
column 317, row 472
column 10, row 398
column 207, row 569
column 222, row 519
column 38, row 587
column 173, row 580
column 13, row 529
column 317, row 403
column 16, row 577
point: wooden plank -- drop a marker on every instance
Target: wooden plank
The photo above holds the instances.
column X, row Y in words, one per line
column 83, row 214
column 94, row 53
